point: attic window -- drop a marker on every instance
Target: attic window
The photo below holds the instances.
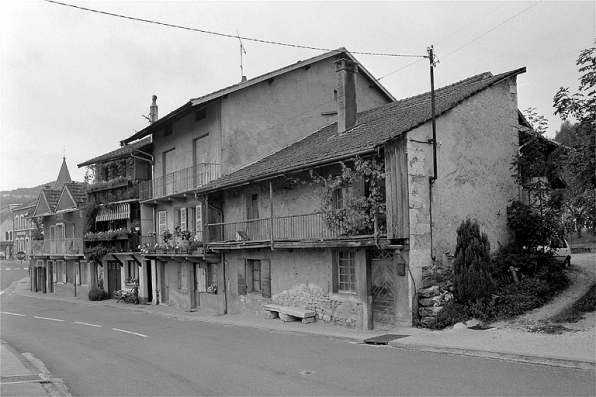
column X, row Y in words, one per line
column 167, row 130
column 335, row 95
column 200, row 114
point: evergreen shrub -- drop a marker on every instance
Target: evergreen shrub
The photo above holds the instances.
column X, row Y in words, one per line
column 96, row 294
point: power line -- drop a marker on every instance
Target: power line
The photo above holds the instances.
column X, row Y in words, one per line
column 499, row 25
column 228, row 35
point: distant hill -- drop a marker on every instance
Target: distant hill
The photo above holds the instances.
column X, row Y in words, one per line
column 21, row 195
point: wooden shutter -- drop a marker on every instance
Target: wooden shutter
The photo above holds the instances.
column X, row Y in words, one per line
column 242, row 277
column 266, row 278
column 161, row 223
column 199, row 221
column 183, row 218
column 201, row 280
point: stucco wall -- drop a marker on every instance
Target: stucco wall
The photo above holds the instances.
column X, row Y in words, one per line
column 300, row 278
column 270, row 115
column 477, row 141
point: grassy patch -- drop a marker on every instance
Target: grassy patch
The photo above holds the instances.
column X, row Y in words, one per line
column 574, row 313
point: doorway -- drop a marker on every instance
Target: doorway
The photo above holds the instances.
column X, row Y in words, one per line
column 383, row 273
column 114, row 277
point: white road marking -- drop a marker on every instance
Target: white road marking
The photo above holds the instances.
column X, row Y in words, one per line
column 46, row 318
column 91, row 325
column 128, row 332
column 14, row 314
column 8, row 268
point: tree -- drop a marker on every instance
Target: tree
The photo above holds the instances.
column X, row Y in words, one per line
column 580, row 160
column 471, row 266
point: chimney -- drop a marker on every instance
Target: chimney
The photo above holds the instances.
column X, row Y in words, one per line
column 346, row 94
column 153, row 110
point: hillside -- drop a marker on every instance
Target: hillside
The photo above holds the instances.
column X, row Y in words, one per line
column 21, row 195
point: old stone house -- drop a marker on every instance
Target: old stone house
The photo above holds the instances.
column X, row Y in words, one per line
column 215, row 135
column 276, row 245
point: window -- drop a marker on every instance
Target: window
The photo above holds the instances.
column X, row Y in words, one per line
column 338, row 198
column 252, row 206
column 131, row 271
column 161, row 224
column 212, row 287
column 168, row 130
column 344, row 272
column 254, row 276
column 199, row 222
column 60, row 272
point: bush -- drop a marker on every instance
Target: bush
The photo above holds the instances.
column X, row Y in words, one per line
column 471, row 267
column 97, row 294
column 452, row 313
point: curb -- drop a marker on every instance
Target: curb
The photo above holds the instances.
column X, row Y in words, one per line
column 506, row 356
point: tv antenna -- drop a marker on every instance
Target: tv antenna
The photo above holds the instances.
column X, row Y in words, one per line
column 242, row 50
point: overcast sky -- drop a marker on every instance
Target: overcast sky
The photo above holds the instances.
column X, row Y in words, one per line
column 77, row 82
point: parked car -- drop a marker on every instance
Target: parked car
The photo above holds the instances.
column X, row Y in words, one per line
column 561, row 252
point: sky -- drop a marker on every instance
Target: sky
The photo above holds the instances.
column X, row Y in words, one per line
column 74, row 82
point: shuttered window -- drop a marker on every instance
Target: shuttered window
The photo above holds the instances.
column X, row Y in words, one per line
column 199, row 221
column 183, row 219
column 254, row 276
column 162, row 222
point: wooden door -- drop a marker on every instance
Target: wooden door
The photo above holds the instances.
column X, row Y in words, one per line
column 383, row 289
column 114, row 277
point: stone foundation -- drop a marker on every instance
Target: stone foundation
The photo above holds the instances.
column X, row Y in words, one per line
column 312, row 297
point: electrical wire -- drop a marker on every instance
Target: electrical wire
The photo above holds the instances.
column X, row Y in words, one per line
column 498, row 26
column 228, row 35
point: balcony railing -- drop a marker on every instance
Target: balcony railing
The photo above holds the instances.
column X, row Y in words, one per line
column 180, row 181
column 67, row 246
column 295, row 227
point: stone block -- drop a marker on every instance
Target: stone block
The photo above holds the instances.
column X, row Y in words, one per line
column 428, row 321
column 287, row 318
column 308, row 320
column 429, row 311
column 269, row 315
column 429, row 292
column 426, row 302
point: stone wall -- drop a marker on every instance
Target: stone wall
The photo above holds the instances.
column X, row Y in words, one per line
column 313, row 297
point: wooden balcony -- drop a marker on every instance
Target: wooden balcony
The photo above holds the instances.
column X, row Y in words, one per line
column 295, row 231
column 178, row 182
column 66, row 246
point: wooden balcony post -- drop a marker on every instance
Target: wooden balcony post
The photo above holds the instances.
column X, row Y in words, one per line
column 271, row 210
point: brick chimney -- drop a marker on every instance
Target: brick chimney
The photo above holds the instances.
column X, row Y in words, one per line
column 153, row 110
column 346, row 94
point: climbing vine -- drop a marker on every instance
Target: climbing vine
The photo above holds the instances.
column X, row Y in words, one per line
column 351, row 210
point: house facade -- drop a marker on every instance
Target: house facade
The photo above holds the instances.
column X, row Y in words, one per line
column 113, row 227
column 23, row 227
column 279, row 245
column 57, row 262
column 215, row 135
column 7, row 230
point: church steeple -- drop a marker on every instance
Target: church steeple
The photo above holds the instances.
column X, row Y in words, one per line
column 63, row 176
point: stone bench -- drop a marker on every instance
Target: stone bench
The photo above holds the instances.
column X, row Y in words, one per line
column 286, row 313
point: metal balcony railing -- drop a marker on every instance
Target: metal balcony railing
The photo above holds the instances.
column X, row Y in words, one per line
column 58, row 246
column 294, row 227
column 180, row 181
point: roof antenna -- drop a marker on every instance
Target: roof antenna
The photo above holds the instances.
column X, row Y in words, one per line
column 242, row 50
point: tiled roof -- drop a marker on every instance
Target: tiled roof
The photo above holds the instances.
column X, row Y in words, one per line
column 120, row 152
column 52, row 197
column 374, row 128
column 78, row 192
column 242, row 85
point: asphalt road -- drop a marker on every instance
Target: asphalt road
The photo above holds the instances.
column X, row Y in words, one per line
column 102, row 350
column 11, row 271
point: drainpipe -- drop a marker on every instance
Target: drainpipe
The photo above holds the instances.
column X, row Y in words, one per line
column 432, row 179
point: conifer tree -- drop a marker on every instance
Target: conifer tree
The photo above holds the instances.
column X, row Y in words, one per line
column 471, row 276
